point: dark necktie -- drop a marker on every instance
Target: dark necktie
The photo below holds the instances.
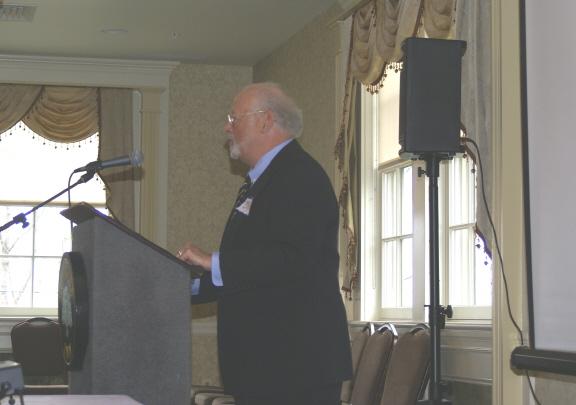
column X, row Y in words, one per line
column 243, row 191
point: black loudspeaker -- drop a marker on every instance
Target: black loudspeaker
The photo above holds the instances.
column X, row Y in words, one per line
column 430, row 97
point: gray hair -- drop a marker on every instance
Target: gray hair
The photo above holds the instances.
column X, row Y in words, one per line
column 287, row 114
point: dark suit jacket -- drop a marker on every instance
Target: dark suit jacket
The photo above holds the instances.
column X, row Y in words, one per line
column 281, row 320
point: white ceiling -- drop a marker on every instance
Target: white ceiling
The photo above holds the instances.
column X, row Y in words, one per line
column 203, row 31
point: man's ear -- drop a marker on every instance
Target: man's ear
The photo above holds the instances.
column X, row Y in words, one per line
column 267, row 122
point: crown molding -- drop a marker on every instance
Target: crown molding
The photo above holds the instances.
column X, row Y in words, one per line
column 52, row 70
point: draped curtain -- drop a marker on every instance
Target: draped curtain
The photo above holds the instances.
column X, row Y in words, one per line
column 70, row 114
column 378, row 30
column 60, row 114
column 473, row 26
column 116, row 140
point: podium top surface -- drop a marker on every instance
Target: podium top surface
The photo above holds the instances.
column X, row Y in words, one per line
column 83, row 212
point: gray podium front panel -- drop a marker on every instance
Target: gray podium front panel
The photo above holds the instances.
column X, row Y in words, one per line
column 139, row 315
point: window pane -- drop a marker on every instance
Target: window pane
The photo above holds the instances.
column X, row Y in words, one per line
column 390, row 274
column 407, row 273
column 46, row 282
column 483, row 275
column 461, row 267
column 397, row 238
column 52, row 232
column 389, row 197
column 406, row 199
column 15, row 282
column 38, row 169
column 461, row 191
column 43, row 170
column 16, row 241
column 389, row 117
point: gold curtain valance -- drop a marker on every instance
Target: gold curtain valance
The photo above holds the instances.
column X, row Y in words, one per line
column 380, row 27
column 438, row 18
column 15, row 101
column 378, row 30
column 60, row 114
column 366, row 63
column 71, row 114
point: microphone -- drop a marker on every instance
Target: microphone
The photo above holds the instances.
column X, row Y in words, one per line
column 133, row 159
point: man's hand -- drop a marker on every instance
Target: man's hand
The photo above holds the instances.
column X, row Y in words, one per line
column 195, row 256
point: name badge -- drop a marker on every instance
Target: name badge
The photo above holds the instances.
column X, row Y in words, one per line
column 244, row 208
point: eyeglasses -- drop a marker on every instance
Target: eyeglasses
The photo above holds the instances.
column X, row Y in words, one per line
column 233, row 118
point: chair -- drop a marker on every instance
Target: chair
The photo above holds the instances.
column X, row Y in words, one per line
column 212, row 398
column 408, row 369
column 373, row 364
column 37, row 345
column 201, row 389
column 205, row 394
column 357, row 346
column 227, row 400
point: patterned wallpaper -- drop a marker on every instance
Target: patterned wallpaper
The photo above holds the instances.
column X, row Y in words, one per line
column 305, row 67
column 202, row 180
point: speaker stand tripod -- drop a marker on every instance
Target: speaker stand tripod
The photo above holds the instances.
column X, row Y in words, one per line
column 436, row 313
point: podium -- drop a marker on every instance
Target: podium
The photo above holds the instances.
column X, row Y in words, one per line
column 138, row 339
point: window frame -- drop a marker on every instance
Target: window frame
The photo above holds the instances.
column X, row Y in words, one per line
column 23, row 311
column 370, row 253
column 406, row 313
column 151, row 80
column 461, row 312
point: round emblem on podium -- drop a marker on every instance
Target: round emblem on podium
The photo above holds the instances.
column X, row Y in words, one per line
column 73, row 308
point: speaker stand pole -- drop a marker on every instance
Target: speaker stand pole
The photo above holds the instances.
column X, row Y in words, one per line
column 436, row 313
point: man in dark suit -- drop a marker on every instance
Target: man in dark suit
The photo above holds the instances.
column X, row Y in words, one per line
column 282, row 331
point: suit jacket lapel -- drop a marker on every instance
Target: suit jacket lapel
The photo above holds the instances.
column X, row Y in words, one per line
column 279, row 161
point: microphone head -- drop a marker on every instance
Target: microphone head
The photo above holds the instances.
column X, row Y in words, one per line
column 136, row 158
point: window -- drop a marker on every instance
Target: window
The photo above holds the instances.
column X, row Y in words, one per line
column 397, row 237
column 395, row 243
column 469, row 281
column 34, row 169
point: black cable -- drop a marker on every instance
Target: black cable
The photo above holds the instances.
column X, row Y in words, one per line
column 495, row 239
column 70, row 202
column 479, row 158
column 532, row 388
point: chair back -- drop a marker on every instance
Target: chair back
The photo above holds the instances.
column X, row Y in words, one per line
column 37, row 346
column 408, row 369
column 357, row 348
column 371, row 371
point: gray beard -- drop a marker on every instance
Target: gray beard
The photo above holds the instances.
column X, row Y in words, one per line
column 234, row 150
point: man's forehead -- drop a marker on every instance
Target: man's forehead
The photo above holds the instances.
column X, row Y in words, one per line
column 243, row 99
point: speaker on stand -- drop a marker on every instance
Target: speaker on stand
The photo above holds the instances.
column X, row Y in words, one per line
column 430, row 131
